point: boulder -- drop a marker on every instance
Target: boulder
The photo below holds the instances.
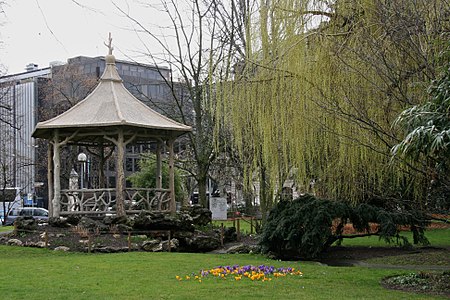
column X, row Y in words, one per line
column 116, row 220
column 39, row 244
column 203, row 242
column 26, row 223
column 159, row 246
column 109, row 249
column 229, row 234
column 62, row 248
column 141, row 236
column 242, row 249
column 73, row 219
column 174, row 243
column 153, row 245
column 123, row 228
column 163, row 221
column 200, row 216
column 183, row 235
column 14, row 242
column 92, row 225
column 59, row 222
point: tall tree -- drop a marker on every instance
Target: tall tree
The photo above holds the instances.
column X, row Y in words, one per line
column 427, row 128
column 325, row 82
column 190, row 49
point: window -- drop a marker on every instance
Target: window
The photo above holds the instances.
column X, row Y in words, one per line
column 40, row 213
column 26, row 212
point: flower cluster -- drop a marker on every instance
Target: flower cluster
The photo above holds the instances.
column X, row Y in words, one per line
column 236, row 272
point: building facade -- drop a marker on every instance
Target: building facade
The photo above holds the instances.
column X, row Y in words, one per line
column 18, row 110
column 40, row 94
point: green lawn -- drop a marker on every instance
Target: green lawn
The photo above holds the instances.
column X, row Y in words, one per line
column 29, row 273
column 244, row 225
column 437, row 238
column 6, row 228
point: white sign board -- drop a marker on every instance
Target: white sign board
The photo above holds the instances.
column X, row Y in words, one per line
column 218, row 207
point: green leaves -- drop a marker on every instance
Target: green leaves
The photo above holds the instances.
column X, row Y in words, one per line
column 146, row 177
column 307, row 226
column 428, row 126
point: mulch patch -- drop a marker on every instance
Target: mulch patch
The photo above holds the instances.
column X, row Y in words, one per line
column 421, row 282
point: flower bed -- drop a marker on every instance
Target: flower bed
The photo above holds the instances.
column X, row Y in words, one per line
column 236, row 272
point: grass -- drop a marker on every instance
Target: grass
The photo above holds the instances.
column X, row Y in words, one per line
column 244, row 225
column 30, row 273
column 6, row 228
column 437, row 238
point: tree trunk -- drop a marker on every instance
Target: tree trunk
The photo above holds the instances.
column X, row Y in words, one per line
column 173, row 207
column 248, row 198
column 56, row 177
column 101, row 167
column 265, row 194
column 50, row 178
column 120, row 180
column 202, row 181
column 158, row 182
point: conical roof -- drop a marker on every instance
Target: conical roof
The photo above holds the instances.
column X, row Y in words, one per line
column 110, row 105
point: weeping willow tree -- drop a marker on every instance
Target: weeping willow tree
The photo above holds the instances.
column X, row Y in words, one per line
column 320, row 87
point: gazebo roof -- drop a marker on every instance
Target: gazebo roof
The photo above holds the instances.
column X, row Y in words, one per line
column 110, row 106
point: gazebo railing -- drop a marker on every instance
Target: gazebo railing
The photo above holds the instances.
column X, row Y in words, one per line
column 103, row 201
column 146, row 199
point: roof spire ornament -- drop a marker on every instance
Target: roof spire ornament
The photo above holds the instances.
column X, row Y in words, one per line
column 109, row 45
column 110, row 72
column 110, row 59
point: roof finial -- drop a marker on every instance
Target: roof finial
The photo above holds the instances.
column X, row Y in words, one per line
column 109, row 45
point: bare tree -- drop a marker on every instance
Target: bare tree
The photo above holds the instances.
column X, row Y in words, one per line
column 190, row 49
column 68, row 85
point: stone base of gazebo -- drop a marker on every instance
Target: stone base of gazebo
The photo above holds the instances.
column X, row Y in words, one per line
column 103, row 201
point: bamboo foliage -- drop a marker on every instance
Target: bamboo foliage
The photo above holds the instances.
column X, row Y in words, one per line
column 322, row 100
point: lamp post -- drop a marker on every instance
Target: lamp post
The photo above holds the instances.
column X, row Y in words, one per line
column 82, row 158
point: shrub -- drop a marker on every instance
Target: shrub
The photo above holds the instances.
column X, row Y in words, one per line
column 303, row 228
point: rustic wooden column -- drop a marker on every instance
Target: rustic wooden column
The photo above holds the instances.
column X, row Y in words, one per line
column 158, row 183
column 101, row 166
column 56, row 174
column 120, row 179
column 173, row 207
column 50, row 177
column 158, row 165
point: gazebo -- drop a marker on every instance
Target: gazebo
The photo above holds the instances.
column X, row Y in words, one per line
column 109, row 116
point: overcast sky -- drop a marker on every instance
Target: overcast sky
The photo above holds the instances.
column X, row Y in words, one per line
column 43, row 31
